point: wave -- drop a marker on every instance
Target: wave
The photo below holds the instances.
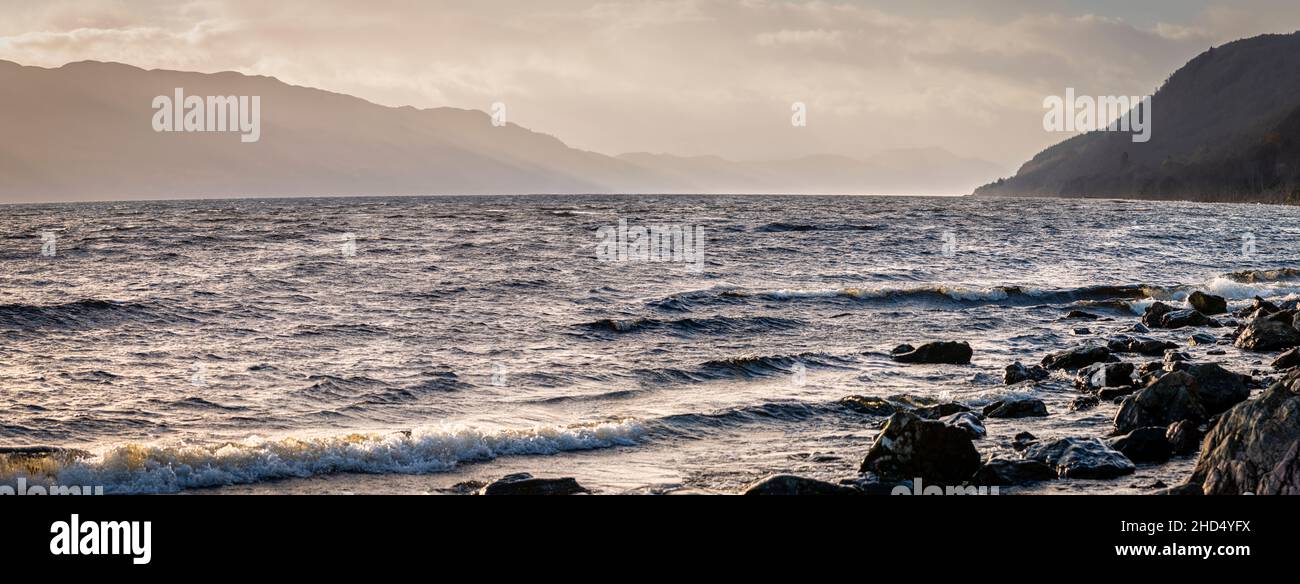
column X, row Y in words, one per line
column 1012, row 295
column 718, row 325
column 1256, row 276
column 750, row 367
column 81, row 313
column 781, row 227
column 144, row 469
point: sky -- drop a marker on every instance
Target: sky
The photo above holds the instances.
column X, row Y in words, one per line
column 686, row 77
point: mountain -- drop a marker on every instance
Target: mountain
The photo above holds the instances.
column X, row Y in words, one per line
column 1225, row 127
column 86, row 131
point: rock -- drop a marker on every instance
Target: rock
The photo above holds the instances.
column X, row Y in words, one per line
column 1172, row 356
column 1001, row 471
column 1218, row 388
column 1184, row 436
column 1143, row 345
column 1023, row 440
column 1286, row 360
column 1086, row 402
column 936, row 411
column 1255, row 447
column 1207, row 303
column 1216, row 352
column 909, row 447
column 1202, row 339
column 1017, row 372
column 1076, row 357
column 525, row 484
column 1111, row 393
column 1186, row 318
column 1081, row 331
column 1152, row 315
column 1259, row 307
column 1171, row 398
column 1079, row 314
column 872, row 406
column 1026, row 407
column 1099, row 375
column 1144, row 445
column 1140, row 328
column 903, row 348
column 1081, row 458
column 940, row 352
column 795, row 485
column 1265, row 334
column 967, row 422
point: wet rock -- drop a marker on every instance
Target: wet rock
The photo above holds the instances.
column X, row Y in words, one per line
column 1171, row 398
column 1207, row 303
column 1023, row 440
column 1082, row 331
column 1202, row 339
column 1218, row 388
column 1025, row 407
column 1172, row 356
column 948, row 352
column 1142, row 345
column 1076, row 357
column 1286, row 360
column 1216, row 352
column 1255, row 447
column 526, row 484
column 1001, row 472
column 967, row 422
column 1113, row 393
column 1140, row 328
column 1259, row 307
column 1186, row 318
column 1148, row 368
column 1184, row 436
column 1079, row 314
column 1152, row 315
column 903, row 348
column 1099, row 375
column 796, row 485
column 1082, row 403
column 1268, row 334
column 872, row 406
column 1144, row 445
column 1017, row 372
column 936, row 411
column 1081, row 458
column 910, row 447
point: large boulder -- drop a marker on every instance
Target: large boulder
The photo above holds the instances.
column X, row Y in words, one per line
column 1208, row 303
column 1144, row 445
column 941, row 352
column 967, row 422
column 910, row 447
column 795, row 485
column 1255, row 447
column 1153, row 314
column 1268, row 334
column 1184, row 436
column 1076, row 357
column 1002, row 471
column 1017, row 372
column 1025, row 407
column 1143, row 345
column 1171, row 398
column 1219, row 388
column 1081, row 458
column 525, row 484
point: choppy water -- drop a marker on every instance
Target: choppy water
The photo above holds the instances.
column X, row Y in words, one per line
column 198, row 344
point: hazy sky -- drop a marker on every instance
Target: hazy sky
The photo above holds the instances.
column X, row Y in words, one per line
column 679, row 76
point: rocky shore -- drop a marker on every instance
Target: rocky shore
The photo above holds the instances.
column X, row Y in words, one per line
column 1168, row 405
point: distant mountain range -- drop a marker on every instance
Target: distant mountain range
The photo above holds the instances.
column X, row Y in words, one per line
column 84, row 131
column 1226, row 127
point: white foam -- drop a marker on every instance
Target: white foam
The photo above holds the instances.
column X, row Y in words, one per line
column 138, row 468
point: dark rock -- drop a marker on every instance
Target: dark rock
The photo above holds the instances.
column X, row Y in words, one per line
column 1026, row 407
column 1001, row 471
column 1207, row 303
column 1076, row 357
column 967, row 422
column 1144, row 445
column 1286, row 360
column 1258, row 307
column 1081, row 458
column 936, row 411
column 941, row 352
column 1082, row 403
column 903, row 348
column 1017, row 372
column 1202, row 339
column 910, row 447
column 1266, row 334
column 1111, row 393
column 795, row 485
column 1186, row 318
column 1152, row 315
column 1023, row 440
column 1172, row 356
column 1255, row 447
column 1184, row 436
column 872, row 406
column 1174, row 397
column 1140, row 328
column 1079, row 314
column 1143, row 345
column 525, row 484
column 1099, row 375
column 1082, row 331
column 1218, row 388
